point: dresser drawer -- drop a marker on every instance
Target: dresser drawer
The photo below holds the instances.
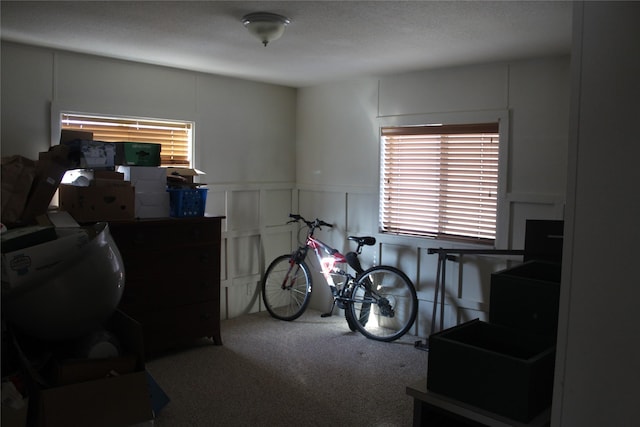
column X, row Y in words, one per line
column 173, row 233
column 165, row 329
column 137, row 298
column 161, row 261
column 153, row 281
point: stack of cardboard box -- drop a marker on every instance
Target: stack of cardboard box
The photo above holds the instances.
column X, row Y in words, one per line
column 127, row 181
column 106, row 391
column 28, row 186
column 97, row 181
column 150, row 183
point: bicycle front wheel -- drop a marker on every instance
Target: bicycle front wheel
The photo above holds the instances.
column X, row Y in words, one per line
column 384, row 303
column 286, row 288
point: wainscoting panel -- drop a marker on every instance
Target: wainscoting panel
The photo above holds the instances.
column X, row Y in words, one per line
column 329, row 206
column 257, row 233
column 254, row 233
column 401, row 256
column 275, row 206
column 467, row 285
column 471, row 281
column 242, row 297
column 217, row 204
column 245, row 208
column 423, row 324
column 362, row 214
column 526, row 206
column 245, row 256
column 276, row 243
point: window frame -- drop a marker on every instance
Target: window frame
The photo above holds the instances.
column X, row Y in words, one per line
column 457, row 118
column 58, row 111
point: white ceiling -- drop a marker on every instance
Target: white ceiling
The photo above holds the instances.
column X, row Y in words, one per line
column 326, row 40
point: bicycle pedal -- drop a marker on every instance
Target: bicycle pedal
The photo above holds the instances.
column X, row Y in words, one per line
column 329, row 314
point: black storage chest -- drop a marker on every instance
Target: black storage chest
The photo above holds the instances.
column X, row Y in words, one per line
column 506, row 365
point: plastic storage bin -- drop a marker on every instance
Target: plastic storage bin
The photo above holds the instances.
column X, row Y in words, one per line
column 187, row 202
column 506, row 365
column 493, row 367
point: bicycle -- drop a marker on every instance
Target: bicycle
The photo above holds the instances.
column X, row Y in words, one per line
column 380, row 302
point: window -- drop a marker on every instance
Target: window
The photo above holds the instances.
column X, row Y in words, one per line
column 175, row 136
column 440, row 181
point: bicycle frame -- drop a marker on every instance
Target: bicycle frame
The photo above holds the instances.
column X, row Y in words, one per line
column 327, row 263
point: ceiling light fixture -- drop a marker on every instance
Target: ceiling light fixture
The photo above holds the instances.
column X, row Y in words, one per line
column 265, row 26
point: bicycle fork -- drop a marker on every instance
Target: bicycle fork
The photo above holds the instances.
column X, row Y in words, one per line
column 289, row 279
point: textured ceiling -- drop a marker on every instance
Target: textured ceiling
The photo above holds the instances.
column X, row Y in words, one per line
column 326, row 40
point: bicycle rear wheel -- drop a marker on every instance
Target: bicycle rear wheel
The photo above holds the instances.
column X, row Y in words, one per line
column 385, row 303
column 286, row 288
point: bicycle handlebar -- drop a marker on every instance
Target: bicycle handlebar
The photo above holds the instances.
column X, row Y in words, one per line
column 317, row 223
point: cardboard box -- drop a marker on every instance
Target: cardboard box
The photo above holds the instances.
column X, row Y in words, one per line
column 15, row 407
column 18, row 174
column 88, row 154
column 153, row 204
column 117, row 400
column 50, row 168
column 107, row 201
column 152, row 200
column 144, row 178
column 58, row 218
column 138, row 154
column 24, row 237
column 104, row 174
column 184, row 175
column 78, row 177
column 65, row 372
column 15, row 417
column 68, row 135
column 159, row 398
column 30, row 264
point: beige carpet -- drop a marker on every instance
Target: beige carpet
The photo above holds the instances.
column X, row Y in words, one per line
column 310, row 372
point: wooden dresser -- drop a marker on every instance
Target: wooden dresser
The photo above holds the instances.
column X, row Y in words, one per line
column 172, row 279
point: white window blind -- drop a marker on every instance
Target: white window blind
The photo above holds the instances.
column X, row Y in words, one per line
column 174, row 136
column 440, row 181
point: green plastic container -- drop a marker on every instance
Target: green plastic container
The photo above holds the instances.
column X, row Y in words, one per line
column 138, row 154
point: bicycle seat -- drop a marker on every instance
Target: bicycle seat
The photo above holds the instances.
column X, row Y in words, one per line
column 364, row 241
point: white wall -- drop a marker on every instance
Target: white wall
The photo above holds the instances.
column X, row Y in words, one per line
column 27, row 91
column 269, row 150
column 244, row 136
column 598, row 359
column 338, row 161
